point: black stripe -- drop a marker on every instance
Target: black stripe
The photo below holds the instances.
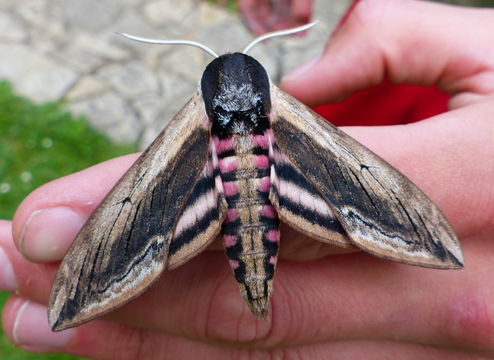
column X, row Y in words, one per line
column 288, row 172
column 188, row 235
column 232, row 175
column 258, row 150
column 204, row 185
column 270, row 223
column 232, row 199
column 232, row 253
column 231, row 228
column 311, row 216
column 226, row 153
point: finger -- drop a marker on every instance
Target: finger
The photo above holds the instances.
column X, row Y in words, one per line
column 47, row 221
column 406, row 41
column 257, row 14
column 8, row 281
column 34, row 280
column 327, row 300
column 25, row 324
column 301, row 11
column 449, row 157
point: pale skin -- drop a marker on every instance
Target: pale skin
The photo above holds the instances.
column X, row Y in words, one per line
column 346, row 306
column 263, row 16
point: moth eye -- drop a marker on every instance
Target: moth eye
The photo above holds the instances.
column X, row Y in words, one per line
column 219, row 110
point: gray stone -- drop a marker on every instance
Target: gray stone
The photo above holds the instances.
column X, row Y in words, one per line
column 167, row 110
column 33, row 12
column 87, row 86
column 110, row 113
column 102, row 47
column 161, row 13
column 34, row 74
column 133, row 23
column 130, row 79
column 11, row 29
column 183, row 63
column 45, row 22
column 148, row 108
column 82, row 59
column 6, row 5
column 92, row 15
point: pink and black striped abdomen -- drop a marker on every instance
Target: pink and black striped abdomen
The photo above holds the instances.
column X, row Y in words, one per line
column 250, row 230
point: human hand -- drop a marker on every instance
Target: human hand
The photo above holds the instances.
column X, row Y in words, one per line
column 344, row 306
column 262, row 16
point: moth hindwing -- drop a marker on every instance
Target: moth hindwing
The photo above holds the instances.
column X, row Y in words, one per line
column 239, row 157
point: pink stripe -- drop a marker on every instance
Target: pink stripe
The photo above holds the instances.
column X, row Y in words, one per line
column 229, row 240
column 261, row 161
column 273, row 235
column 273, row 260
column 230, row 188
column 265, row 184
column 228, row 164
column 279, row 157
column 261, row 140
column 269, row 212
column 233, row 264
column 231, row 215
column 222, row 145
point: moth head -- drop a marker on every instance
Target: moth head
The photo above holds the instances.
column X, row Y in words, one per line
column 235, row 83
column 232, row 82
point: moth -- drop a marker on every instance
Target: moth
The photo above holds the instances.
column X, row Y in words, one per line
column 239, row 157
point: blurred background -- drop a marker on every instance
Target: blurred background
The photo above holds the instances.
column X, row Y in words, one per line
column 74, row 93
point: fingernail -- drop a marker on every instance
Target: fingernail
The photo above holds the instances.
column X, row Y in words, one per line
column 7, row 275
column 31, row 330
column 301, row 70
column 49, row 232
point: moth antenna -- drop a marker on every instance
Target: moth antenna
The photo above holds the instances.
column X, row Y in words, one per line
column 171, row 42
column 279, row 33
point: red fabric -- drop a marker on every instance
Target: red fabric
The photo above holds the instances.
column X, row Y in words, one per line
column 386, row 104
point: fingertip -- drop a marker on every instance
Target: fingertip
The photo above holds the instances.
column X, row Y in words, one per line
column 48, row 233
column 65, row 203
column 26, row 325
column 301, row 81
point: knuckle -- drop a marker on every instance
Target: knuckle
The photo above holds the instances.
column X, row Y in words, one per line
column 370, row 14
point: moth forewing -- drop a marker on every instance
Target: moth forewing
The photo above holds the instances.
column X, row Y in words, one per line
column 123, row 247
column 381, row 211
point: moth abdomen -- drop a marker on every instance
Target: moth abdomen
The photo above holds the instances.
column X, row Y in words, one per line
column 250, row 229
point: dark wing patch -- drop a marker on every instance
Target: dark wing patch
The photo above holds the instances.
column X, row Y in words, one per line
column 201, row 217
column 123, row 247
column 300, row 205
column 381, row 210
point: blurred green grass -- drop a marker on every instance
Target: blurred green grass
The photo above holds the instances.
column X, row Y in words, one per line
column 39, row 143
